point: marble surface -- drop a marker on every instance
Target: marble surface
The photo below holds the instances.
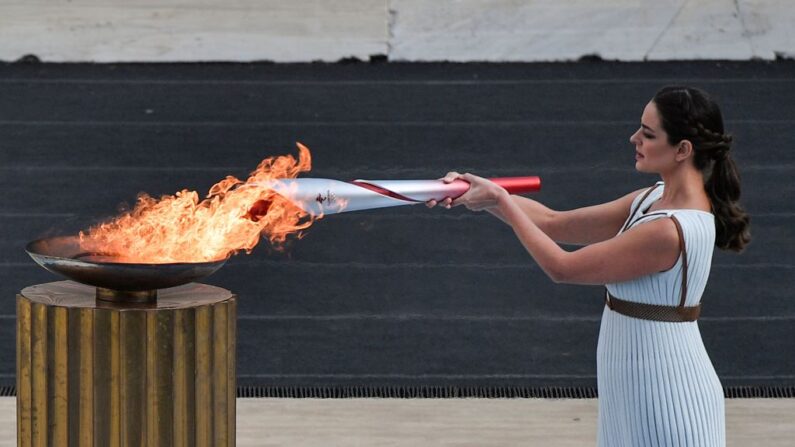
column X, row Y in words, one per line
column 769, row 27
column 192, row 30
column 703, row 29
column 404, row 30
column 628, row 30
column 515, row 30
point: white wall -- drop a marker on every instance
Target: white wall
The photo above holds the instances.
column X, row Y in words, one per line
column 405, row 30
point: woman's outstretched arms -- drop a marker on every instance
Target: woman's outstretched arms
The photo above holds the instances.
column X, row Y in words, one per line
column 647, row 248
column 644, row 249
column 581, row 226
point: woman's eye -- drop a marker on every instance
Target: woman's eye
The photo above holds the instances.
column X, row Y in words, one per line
column 648, row 136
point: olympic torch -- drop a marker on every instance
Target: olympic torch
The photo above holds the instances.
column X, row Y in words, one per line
column 326, row 196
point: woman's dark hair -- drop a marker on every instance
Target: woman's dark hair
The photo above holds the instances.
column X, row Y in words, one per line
column 690, row 114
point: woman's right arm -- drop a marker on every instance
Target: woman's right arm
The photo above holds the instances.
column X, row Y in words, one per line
column 581, row 226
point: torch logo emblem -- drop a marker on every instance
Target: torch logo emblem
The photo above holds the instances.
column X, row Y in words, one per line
column 328, row 198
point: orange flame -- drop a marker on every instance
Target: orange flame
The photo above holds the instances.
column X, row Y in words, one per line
column 182, row 228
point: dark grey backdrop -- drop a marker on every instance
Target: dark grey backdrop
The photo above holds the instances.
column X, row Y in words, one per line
column 405, row 296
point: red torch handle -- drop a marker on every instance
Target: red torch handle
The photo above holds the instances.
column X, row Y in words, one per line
column 519, row 185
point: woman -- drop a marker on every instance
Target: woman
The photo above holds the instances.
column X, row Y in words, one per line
column 652, row 249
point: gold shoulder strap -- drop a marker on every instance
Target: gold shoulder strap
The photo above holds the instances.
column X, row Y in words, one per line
column 635, row 209
column 683, row 250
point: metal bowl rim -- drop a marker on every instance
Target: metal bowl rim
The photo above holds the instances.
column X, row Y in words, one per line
column 32, row 253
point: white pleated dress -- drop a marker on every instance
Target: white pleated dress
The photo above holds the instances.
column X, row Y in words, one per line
column 657, row 385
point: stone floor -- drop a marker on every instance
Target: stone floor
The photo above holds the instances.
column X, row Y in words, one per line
column 455, row 422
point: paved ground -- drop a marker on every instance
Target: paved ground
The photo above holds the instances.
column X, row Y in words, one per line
column 401, row 297
column 455, row 422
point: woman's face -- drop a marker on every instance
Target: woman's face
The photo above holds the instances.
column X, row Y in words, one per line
column 653, row 153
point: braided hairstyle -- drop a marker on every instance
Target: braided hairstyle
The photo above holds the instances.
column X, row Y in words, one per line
column 690, row 114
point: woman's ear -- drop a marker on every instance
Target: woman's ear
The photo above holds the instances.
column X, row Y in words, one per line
column 684, row 150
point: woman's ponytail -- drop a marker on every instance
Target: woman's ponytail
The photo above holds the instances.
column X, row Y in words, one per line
column 689, row 113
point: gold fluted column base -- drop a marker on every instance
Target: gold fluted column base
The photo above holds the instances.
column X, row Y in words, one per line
column 96, row 373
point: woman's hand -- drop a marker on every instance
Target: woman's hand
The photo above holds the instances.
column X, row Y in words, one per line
column 482, row 193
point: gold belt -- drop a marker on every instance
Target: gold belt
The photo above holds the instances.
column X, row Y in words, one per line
column 654, row 312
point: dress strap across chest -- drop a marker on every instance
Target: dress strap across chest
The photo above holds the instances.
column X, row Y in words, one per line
column 657, row 312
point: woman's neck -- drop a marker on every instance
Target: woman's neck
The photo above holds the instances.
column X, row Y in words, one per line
column 683, row 188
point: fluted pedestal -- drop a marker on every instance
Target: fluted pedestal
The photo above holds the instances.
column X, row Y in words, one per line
column 97, row 373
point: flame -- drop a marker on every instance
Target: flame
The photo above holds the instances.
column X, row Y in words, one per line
column 182, row 228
